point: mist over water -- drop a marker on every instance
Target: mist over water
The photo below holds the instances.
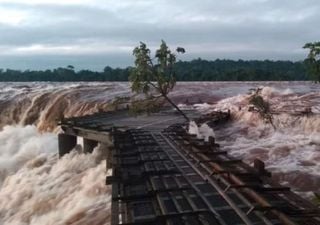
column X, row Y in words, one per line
column 20, row 144
column 38, row 188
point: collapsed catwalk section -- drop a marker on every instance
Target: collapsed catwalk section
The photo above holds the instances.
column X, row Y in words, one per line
column 163, row 175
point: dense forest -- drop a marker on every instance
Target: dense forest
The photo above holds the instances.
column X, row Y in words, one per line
column 195, row 70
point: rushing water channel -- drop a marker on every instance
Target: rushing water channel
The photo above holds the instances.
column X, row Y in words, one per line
column 37, row 188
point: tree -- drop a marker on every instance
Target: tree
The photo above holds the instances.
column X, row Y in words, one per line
column 317, row 198
column 154, row 77
column 199, row 69
column 261, row 106
column 313, row 60
column 70, row 67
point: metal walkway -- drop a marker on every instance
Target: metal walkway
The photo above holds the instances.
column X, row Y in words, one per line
column 250, row 191
column 163, row 175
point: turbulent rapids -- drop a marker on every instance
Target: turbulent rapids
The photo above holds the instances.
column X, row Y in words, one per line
column 37, row 188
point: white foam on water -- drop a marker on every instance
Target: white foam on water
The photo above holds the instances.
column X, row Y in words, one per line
column 202, row 132
column 206, row 132
column 291, row 152
column 194, row 129
column 20, row 144
column 38, row 188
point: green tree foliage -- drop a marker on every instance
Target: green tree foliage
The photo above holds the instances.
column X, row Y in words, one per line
column 313, row 60
column 261, row 106
column 154, row 77
column 317, row 198
column 230, row 70
column 195, row 70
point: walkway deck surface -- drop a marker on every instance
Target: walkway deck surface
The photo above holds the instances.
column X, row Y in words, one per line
column 163, row 175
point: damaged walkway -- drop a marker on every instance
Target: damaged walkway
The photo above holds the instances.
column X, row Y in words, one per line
column 163, row 175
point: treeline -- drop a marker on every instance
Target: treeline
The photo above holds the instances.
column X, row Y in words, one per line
column 230, row 70
column 195, row 70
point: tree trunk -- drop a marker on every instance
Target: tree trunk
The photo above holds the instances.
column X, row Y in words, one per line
column 176, row 107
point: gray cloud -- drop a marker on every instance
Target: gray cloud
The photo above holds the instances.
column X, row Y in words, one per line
column 93, row 34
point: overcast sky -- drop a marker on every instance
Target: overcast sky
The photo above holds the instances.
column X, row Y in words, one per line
column 40, row 34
